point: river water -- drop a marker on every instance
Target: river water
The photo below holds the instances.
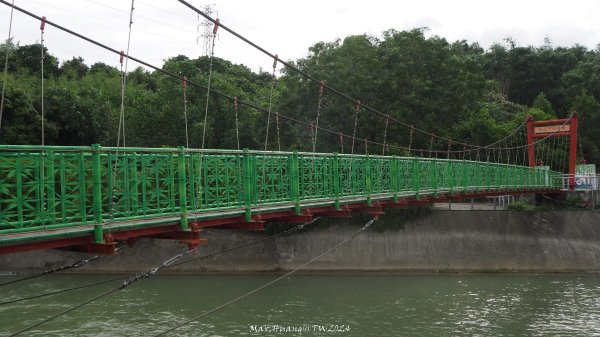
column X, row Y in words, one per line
column 313, row 305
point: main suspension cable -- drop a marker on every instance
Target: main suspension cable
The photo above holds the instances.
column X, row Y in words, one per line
column 73, row 265
column 315, row 80
column 163, row 71
column 56, row 292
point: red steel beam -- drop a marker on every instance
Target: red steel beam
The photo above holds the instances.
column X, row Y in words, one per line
column 573, row 150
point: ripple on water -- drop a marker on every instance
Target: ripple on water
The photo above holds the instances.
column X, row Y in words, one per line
column 371, row 305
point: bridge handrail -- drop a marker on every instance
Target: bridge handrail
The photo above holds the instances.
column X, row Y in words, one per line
column 64, row 186
column 583, row 181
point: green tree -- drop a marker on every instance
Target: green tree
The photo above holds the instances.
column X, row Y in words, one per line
column 588, row 109
column 74, row 68
column 21, row 123
column 542, row 103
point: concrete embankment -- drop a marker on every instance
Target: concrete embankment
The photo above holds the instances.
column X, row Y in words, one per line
column 438, row 241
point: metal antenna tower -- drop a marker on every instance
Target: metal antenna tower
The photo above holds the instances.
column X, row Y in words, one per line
column 204, row 29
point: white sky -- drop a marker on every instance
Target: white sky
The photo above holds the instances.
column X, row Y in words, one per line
column 166, row 28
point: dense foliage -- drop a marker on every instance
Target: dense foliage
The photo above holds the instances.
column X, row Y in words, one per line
column 457, row 90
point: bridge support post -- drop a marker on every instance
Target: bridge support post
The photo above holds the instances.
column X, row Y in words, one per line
column 98, row 233
column 97, row 196
column 436, row 182
column 465, row 175
column 573, row 150
column 395, row 174
column 247, row 179
column 530, row 148
column 367, row 168
column 478, row 177
column 450, row 173
column 50, row 189
column 336, row 180
column 181, row 178
column 416, row 174
column 295, row 182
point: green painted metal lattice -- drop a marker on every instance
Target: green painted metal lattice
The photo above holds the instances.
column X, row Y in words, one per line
column 54, row 187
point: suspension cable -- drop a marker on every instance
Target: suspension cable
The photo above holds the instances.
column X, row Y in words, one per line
column 113, row 168
column 210, row 69
column 270, row 103
column 239, row 298
column 184, row 88
column 412, row 128
column 22, row 299
column 321, row 89
column 42, row 28
column 171, row 262
column 203, row 257
column 73, row 265
column 154, row 270
column 313, row 79
column 7, row 47
column 63, row 312
column 124, row 80
column 410, row 140
column 431, row 147
column 43, row 155
column 312, row 134
column 357, row 110
column 237, row 122
column 277, row 128
column 387, row 120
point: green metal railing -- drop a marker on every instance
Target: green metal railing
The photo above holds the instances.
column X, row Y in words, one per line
column 55, row 187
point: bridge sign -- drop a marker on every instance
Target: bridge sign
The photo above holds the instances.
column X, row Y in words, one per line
column 585, row 177
column 551, row 129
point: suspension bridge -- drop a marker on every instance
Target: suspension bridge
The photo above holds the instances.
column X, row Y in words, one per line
column 92, row 198
column 89, row 198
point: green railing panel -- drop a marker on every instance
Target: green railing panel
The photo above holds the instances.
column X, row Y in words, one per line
column 381, row 175
column 217, row 181
column 316, row 177
column 272, row 174
column 352, row 175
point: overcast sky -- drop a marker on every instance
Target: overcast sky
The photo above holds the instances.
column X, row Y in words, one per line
column 166, row 28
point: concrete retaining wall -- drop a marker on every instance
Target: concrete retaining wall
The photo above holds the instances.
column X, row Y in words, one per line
column 441, row 240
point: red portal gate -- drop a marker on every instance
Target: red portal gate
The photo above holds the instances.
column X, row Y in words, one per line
column 554, row 128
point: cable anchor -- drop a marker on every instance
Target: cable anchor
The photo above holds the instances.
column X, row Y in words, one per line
column 216, row 26
column 43, row 23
